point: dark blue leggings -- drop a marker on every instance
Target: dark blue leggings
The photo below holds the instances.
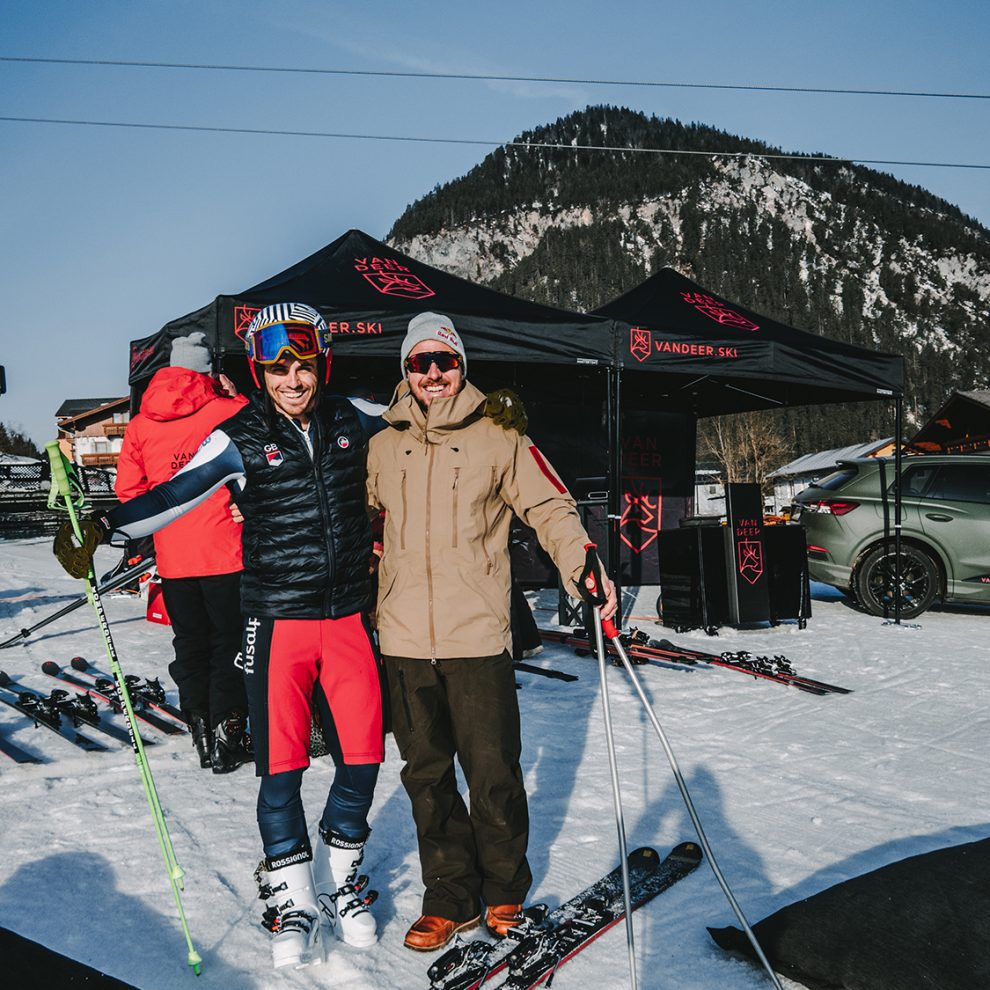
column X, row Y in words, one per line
column 282, row 820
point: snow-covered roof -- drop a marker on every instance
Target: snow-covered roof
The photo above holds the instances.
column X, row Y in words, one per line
column 824, row 460
column 72, row 408
column 980, row 395
column 17, row 459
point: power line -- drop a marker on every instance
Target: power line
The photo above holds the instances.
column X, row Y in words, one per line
column 343, row 135
column 479, row 77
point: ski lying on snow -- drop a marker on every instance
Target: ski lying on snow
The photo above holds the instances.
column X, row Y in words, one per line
column 778, row 665
column 148, row 692
column 641, row 649
column 578, row 639
column 544, row 941
column 107, row 693
column 28, row 705
column 79, row 710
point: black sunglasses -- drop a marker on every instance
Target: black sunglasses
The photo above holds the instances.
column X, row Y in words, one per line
column 444, row 360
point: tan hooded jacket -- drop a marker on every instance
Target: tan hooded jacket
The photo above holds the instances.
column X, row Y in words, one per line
column 449, row 482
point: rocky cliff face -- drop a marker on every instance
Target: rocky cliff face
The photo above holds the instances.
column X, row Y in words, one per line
column 828, row 247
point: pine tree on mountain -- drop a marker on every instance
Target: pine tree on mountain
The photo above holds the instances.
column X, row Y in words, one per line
column 12, row 441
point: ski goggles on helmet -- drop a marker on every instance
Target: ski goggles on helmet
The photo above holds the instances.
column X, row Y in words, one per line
column 444, row 360
column 270, row 343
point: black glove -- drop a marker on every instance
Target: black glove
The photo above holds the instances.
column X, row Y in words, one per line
column 78, row 560
column 505, row 408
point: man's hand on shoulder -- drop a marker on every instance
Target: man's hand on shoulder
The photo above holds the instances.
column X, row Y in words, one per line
column 504, row 408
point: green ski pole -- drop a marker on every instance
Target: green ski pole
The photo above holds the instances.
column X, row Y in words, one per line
column 67, row 495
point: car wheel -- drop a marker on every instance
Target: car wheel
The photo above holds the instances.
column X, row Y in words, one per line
column 874, row 582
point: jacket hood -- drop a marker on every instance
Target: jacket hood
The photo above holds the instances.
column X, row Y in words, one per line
column 442, row 415
column 175, row 393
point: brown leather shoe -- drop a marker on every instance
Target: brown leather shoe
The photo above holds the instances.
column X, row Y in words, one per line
column 432, row 932
column 499, row 918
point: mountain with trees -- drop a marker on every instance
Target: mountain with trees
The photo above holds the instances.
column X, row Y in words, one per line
column 13, row 441
column 829, row 247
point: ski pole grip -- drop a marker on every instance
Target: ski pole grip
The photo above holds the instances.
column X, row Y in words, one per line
column 609, row 628
column 593, row 569
column 56, row 459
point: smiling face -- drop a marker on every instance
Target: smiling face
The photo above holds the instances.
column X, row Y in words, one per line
column 434, row 384
column 292, row 385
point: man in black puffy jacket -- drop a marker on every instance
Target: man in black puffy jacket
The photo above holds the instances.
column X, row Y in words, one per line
column 296, row 458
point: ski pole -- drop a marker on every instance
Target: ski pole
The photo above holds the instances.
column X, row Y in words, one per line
column 596, row 599
column 125, row 577
column 613, row 634
column 65, row 488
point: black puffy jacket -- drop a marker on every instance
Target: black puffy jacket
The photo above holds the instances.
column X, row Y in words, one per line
column 307, row 539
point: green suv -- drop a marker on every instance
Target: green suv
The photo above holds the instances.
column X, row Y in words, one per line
column 945, row 530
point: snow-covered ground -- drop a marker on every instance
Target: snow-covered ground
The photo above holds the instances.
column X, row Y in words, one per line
column 796, row 793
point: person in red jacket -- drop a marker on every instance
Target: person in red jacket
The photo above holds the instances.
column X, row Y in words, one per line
column 198, row 555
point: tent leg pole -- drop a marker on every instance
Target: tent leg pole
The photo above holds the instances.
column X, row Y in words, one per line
column 898, row 426
column 614, row 509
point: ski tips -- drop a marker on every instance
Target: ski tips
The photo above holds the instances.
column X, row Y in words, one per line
column 79, row 663
column 4, row 679
column 689, row 852
column 50, row 667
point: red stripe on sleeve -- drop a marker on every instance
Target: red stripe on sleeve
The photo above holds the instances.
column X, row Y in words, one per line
column 545, row 468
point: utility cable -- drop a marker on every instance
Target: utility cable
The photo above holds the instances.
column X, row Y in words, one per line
column 480, row 77
column 546, row 145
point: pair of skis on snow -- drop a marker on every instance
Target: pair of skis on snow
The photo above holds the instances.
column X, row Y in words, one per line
column 544, row 940
column 641, row 649
column 65, row 713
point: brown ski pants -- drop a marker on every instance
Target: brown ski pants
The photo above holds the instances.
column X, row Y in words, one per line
column 465, row 708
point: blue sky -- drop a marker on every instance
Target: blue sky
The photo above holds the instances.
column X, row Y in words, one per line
column 108, row 233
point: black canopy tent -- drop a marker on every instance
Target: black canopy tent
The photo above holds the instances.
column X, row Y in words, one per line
column 625, row 383
column 961, row 425
column 367, row 292
column 709, row 356
column 684, row 348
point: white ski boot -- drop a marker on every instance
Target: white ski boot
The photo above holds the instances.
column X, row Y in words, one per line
column 286, row 885
column 343, row 896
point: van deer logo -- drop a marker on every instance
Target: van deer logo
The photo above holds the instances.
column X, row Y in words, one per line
column 243, row 315
column 640, row 343
column 391, row 278
column 718, row 311
column 639, row 524
column 749, row 554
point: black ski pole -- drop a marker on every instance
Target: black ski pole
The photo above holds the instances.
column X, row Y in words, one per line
column 125, row 577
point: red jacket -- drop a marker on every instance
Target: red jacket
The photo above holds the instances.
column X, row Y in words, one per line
column 178, row 411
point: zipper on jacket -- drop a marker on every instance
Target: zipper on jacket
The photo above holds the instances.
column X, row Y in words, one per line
column 429, row 568
column 453, row 527
column 484, row 525
column 402, row 525
column 325, row 515
column 405, row 699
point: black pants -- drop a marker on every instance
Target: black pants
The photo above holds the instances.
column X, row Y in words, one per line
column 466, row 708
column 206, row 621
column 525, row 632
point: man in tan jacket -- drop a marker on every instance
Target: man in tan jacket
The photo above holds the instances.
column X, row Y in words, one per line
column 449, row 479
